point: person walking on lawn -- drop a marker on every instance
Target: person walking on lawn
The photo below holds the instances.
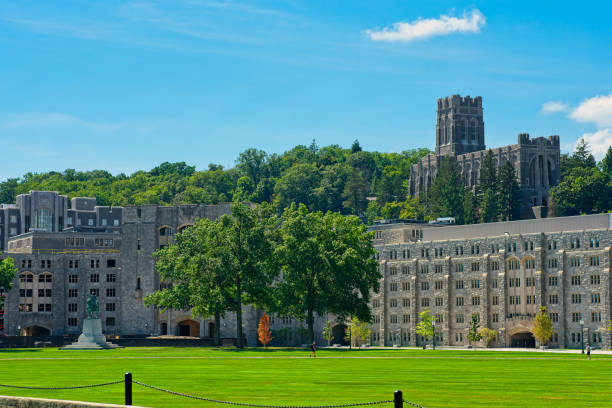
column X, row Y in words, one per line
column 313, row 347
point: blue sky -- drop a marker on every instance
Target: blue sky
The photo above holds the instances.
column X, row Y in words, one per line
column 126, row 85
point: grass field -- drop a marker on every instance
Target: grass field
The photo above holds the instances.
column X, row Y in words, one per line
column 438, row 378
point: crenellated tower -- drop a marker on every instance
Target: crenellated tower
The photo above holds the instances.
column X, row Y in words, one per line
column 459, row 126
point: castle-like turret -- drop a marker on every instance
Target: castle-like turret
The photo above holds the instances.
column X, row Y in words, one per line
column 460, row 125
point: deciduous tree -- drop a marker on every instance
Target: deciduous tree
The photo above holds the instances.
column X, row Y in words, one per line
column 425, row 326
column 263, row 330
column 542, row 326
column 473, row 334
column 488, row 335
column 7, row 274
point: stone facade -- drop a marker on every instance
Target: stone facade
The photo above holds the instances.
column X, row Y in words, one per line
column 460, row 134
column 501, row 272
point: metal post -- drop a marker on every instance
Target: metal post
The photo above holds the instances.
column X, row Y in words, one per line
column 398, row 399
column 582, row 335
column 128, row 388
column 433, row 340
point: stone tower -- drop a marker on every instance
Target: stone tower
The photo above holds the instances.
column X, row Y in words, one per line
column 459, row 126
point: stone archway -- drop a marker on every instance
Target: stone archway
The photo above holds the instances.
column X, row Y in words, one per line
column 35, row 331
column 338, row 332
column 523, row 339
column 188, row 327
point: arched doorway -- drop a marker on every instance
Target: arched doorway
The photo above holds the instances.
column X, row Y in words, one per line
column 522, row 340
column 35, row 331
column 164, row 329
column 339, row 331
column 211, row 329
column 188, row 328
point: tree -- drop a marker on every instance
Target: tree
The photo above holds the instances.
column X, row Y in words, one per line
column 357, row 332
column 470, row 207
column 473, row 334
column 355, row 147
column 606, row 162
column 372, row 212
column 447, row 191
column 328, row 332
column 217, row 266
column 355, row 192
column 327, row 265
column 297, row 185
column 263, row 330
column 7, row 274
column 488, row 335
column 425, row 327
column 509, row 193
column 542, row 326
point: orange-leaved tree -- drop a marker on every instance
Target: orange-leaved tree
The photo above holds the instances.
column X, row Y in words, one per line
column 263, row 330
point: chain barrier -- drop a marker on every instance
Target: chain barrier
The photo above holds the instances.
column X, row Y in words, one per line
column 412, row 404
column 62, row 388
column 244, row 404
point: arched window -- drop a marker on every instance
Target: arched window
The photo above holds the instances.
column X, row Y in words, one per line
column 184, row 227
column 43, row 220
column 45, row 278
column 473, row 131
column 165, row 231
column 513, row 264
column 463, row 130
column 26, row 277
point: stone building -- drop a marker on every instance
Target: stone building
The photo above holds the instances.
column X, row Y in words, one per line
column 64, row 254
column 460, row 134
column 502, row 273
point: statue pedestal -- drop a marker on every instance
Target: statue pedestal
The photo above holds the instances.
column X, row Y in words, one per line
column 91, row 338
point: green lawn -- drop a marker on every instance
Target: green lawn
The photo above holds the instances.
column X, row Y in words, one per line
column 438, row 378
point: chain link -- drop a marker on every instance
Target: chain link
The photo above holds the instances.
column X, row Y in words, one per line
column 62, row 388
column 413, row 404
column 244, row 404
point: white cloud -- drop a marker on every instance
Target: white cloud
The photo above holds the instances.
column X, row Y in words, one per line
column 597, row 110
column 599, row 141
column 554, row 106
column 425, row 28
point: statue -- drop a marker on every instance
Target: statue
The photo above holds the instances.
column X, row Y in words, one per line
column 92, row 307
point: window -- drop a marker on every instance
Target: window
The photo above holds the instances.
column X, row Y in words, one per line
column 495, row 300
column 438, row 268
column 514, row 300
column 73, row 264
column 459, row 318
column 13, row 219
column 139, row 246
column 552, row 281
column 475, row 249
column 513, row 264
column 110, row 292
column 44, row 307
column 393, row 271
column 553, row 299
column 529, row 263
column 72, row 307
column 25, row 293
column 393, row 318
column 495, row 266
column 424, row 285
column 425, row 302
column 595, row 280
column 574, row 261
column 477, row 315
column 110, row 307
column 72, row 321
column 495, row 318
column 575, row 243
column 95, row 292
column 475, row 266
column 576, row 280
column 90, row 222
column 475, row 300
column 110, row 321
column 45, row 264
column 554, row 317
column 393, row 287
column 552, row 263
column 116, row 222
column 406, row 302
column 530, row 299
column 458, row 267
column 73, row 292
column 393, row 303
column 405, row 286
column 475, row 283
column 494, row 248
column 75, row 242
column 439, row 301
column 439, row 285
column 594, row 260
column 26, row 278
column 576, row 298
column 94, row 278
column 459, row 250
column 425, row 268
column 94, row 263
column 595, row 298
column 73, row 278
column 376, row 319
column 596, row 316
column 44, row 292
column 111, row 277
column 552, row 244
column 576, row 316
column 375, row 303
column 514, row 282
column 406, row 318
column 12, row 231
column 45, row 278
column 439, row 317
column 529, row 282
column 494, row 283
column 405, row 270
column 459, row 284
column 111, row 263
column 459, row 301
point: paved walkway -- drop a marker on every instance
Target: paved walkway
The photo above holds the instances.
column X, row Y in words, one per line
column 455, row 348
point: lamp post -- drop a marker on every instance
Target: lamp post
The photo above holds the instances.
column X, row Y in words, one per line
column 433, row 338
column 582, row 335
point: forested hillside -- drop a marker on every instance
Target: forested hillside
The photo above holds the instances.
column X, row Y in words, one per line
column 327, row 178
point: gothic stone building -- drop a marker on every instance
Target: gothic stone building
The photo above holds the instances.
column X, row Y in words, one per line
column 501, row 273
column 64, row 254
column 460, row 134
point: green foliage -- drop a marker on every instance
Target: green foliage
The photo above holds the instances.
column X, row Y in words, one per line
column 542, row 326
column 7, row 274
column 488, row 335
column 425, row 327
column 357, row 332
column 473, row 334
column 327, row 265
column 509, row 193
column 372, row 212
column 328, row 332
column 447, row 191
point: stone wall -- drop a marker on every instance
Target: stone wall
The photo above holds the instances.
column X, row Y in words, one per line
column 23, row 402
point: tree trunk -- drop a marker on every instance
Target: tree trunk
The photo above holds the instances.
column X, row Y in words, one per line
column 310, row 321
column 239, row 313
column 217, row 329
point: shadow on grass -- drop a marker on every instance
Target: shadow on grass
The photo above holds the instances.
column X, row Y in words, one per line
column 19, row 350
column 287, row 349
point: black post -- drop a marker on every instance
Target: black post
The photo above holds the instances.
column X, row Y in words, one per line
column 128, row 388
column 398, row 399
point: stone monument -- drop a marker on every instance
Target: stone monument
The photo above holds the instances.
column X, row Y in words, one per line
column 92, row 337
